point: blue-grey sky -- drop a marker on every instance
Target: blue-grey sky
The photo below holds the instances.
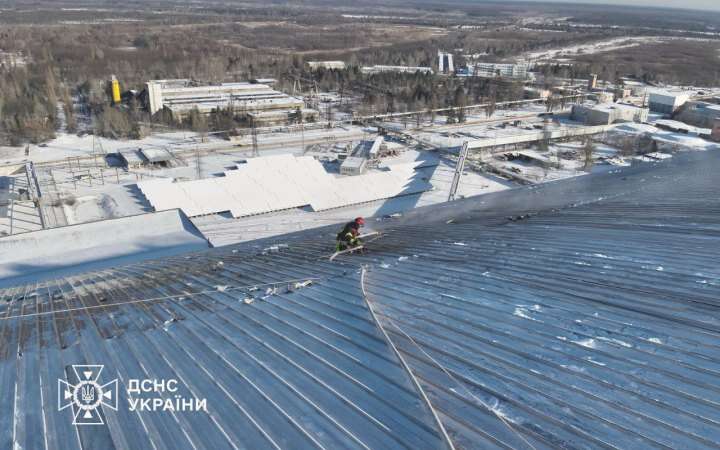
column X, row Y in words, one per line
column 712, row 5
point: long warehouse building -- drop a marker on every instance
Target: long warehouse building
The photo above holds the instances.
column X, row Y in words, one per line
column 182, row 95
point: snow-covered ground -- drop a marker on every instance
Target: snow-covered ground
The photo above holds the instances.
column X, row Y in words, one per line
column 603, row 46
column 73, row 146
column 94, row 192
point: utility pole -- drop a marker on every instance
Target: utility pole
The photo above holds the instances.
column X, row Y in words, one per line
column 197, row 162
column 255, row 150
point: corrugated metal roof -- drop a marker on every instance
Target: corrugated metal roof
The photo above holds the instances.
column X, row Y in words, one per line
column 578, row 314
column 305, row 368
column 593, row 326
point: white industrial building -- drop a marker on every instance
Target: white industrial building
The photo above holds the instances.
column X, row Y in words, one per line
column 181, row 96
column 667, row 102
column 519, row 70
column 445, row 62
column 606, row 114
column 353, row 165
column 357, row 162
column 330, row 65
column 401, row 69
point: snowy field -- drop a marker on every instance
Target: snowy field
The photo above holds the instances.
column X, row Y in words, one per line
column 603, row 46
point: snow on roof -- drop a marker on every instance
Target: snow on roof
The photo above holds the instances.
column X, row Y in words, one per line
column 132, row 156
column 154, row 155
column 354, row 162
column 667, row 96
column 87, row 246
column 275, row 183
column 607, row 107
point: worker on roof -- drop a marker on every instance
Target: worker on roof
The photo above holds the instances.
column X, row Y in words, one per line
column 349, row 237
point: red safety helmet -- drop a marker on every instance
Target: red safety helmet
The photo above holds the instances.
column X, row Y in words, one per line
column 360, row 221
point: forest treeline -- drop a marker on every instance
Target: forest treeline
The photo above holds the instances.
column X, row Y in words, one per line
column 62, row 83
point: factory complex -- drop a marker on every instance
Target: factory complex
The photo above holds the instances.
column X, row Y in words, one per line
column 182, row 96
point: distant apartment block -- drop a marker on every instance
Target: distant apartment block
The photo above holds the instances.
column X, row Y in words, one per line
column 182, row 96
column 502, row 70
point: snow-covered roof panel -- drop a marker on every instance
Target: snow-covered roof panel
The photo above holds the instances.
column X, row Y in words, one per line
column 155, row 155
column 46, row 253
column 280, row 182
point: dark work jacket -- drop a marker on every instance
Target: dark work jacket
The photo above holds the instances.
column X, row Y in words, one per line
column 350, row 227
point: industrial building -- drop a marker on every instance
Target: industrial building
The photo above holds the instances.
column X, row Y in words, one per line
column 667, row 102
column 699, row 114
column 158, row 157
column 280, row 116
column 129, row 158
column 502, row 70
column 445, row 62
column 329, row 65
column 401, row 69
column 592, row 323
column 606, row 114
column 181, row 96
column 357, row 161
column 637, row 88
column 353, row 165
